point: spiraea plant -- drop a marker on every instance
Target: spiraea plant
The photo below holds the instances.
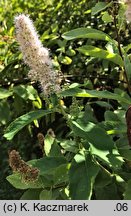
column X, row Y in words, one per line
column 90, row 159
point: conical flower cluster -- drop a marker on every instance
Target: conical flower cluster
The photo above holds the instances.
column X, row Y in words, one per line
column 35, row 55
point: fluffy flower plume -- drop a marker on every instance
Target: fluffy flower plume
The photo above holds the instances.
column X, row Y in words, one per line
column 35, row 55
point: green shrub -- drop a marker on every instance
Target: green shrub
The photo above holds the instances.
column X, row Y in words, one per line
column 85, row 154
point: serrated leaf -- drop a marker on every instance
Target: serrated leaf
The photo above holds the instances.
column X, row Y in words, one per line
column 22, row 121
column 101, row 53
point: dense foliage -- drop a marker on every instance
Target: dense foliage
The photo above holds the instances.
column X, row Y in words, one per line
column 73, row 145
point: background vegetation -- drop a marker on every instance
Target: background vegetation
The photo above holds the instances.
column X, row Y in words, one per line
column 88, row 156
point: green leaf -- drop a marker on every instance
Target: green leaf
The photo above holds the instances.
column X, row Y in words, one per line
column 112, row 159
column 127, row 194
column 55, row 150
column 22, row 121
column 31, row 194
column 46, row 195
column 125, row 153
column 77, row 92
column 4, row 93
column 103, row 104
column 69, row 145
column 64, row 60
column 61, row 174
column 103, row 178
column 127, row 65
column 48, row 165
column 123, row 94
column 109, row 192
column 121, row 18
column 26, row 92
column 100, row 154
column 101, row 53
column 107, row 18
column 53, row 168
column 111, row 116
column 86, row 33
column 52, row 171
column 101, row 144
column 94, row 134
column 4, row 112
column 16, row 180
column 115, row 160
column 82, row 176
column 115, row 122
column 48, row 142
column 70, row 52
column 100, row 6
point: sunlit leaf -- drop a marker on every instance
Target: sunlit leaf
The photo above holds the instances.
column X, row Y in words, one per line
column 65, row 60
column 107, row 18
column 22, row 121
column 101, row 53
column 4, row 93
column 77, row 92
column 86, row 33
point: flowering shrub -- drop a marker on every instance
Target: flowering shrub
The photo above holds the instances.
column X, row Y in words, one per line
column 89, row 158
